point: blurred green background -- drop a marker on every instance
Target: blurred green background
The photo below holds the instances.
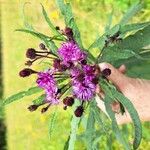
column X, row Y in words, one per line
column 30, row 131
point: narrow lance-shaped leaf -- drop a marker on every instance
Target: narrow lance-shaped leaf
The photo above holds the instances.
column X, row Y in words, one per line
column 131, row 13
column 90, row 129
column 136, row 41
column 119, row 135
column 21, row 94
column 74, row 127
column 26, row 23
column 48, row 40
column 69, row 20
column 132, row 27
column 39, row 100
column 50, row 23
column 114, row 94
column 108, row 25
column 52, row 122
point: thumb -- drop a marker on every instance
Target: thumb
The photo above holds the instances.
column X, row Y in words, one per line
column 116, row 76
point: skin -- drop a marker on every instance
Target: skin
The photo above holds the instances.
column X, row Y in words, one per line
column 135, row 89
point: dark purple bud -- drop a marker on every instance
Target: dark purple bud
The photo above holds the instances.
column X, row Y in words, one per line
column 79, row 111
column 83, row 62
column 58, row 91
column 65, row 107
column 57, row 28
column 68, row 101
column 43, row 110
column 56, row 63
column 42, row 46
column 31, row 53
column 69, row 33
column 28, row 63
column 95, row 80
column 70, row 65
column 26, row 72
column 32, row 107
column 106, row 72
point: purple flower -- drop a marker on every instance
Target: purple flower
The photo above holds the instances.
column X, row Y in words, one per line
column 70, row 51
column 47, row 82
column 82, row 82
column 84, row 90
column 52, row 98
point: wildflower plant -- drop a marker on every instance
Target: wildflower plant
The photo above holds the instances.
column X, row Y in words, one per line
column 73, row 74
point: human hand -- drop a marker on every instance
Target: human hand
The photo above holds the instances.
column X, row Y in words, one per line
column 136, row 90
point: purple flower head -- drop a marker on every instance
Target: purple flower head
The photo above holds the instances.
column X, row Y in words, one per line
column 75, row 72
column 46, row 80
column 89, row 70
column 70, row 51
column 52, row 97
column 84, row 90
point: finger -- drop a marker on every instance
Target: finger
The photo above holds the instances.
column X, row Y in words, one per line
column 117, row 78
column 122, row 69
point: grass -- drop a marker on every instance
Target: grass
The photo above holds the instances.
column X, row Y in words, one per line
column 30, row 131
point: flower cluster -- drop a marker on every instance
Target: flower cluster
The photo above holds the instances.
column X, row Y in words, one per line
column 70, row 64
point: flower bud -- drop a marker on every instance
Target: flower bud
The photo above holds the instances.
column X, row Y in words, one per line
column 42, row 46
column 83, row 62
column 31, row 53
column 79, row 111
column 58, row 65
column 68, row 101
column 43, row 110
column 26, row 72
column 32, row 107
column 28, row 63
column 57, row 28
column 95, row 80
column 69, row 33
column 106, row 72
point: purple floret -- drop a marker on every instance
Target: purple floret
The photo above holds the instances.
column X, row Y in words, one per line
column 47, row 82
column 82, row 85
column 70, row 51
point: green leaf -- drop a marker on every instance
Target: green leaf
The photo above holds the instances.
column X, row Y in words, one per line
column 108, row 25
column 98, row 43
column 66, row 143
column 21, row 94
column 69, row 20
column 90, row 129
column 114, row 94
column 134, row 115
column 53, row 28
column 52, row 122
column 131, row 13
column 113, row 30
column 119, row 136
column 74, row 126
column 26, row 24
column 39, row 100
column 114, row 54
column 47, row 40
column 131, row 27
column 136, row 41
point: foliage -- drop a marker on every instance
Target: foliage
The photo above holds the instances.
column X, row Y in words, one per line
column 134, row 37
